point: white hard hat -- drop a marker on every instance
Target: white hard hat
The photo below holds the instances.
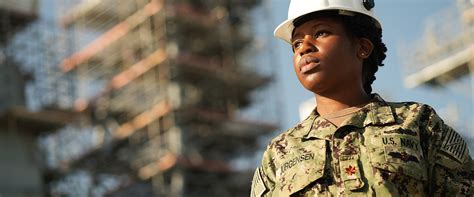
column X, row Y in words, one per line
column 299, row 8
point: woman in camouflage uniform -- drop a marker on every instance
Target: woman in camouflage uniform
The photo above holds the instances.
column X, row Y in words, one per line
column 355, row 143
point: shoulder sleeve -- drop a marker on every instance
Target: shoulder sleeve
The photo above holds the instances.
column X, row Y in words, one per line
column 263, row 182
column 449, row 163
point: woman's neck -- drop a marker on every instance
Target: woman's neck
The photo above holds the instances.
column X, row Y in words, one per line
column 330, row 104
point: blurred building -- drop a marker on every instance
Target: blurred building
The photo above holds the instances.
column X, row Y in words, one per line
column 17, row 143
column 139, row 97
column 443, row 58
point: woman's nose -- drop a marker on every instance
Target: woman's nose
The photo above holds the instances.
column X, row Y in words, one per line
column 307, row 46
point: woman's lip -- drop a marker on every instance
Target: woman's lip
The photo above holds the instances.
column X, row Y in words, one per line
column 308, row 67
column 308, row 63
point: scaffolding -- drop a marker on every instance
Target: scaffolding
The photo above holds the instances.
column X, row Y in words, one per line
column 150, row 92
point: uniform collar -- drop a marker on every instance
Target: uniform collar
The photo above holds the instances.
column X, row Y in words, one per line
column 376, row 113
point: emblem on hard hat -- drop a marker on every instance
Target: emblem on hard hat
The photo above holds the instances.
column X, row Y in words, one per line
column 369, row 4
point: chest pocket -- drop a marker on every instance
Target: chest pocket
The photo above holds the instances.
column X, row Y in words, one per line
column 399, row 152
column 303, row 167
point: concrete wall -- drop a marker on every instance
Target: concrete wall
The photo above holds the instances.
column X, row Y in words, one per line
column 19, row 170
column 20, row 173
column 11, row 85
column 27, row 7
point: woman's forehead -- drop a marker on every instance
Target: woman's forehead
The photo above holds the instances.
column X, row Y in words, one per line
column 314, row 23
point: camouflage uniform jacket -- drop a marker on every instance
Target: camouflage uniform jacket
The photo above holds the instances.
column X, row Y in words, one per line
column 385, row 149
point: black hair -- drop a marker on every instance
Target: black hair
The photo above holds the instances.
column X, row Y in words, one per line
column 359, row 26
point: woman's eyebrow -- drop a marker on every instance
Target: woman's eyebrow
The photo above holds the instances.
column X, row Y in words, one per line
column 317, row 24
column 295, row 36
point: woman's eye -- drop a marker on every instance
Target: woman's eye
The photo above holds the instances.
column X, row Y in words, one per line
column 297, row 44
column 320, row 34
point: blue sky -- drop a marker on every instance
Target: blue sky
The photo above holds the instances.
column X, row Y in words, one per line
column 403, row 22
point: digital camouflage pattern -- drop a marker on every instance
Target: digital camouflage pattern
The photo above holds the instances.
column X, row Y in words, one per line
column 385, row 149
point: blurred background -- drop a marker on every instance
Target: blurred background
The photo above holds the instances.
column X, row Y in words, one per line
column 179, row 98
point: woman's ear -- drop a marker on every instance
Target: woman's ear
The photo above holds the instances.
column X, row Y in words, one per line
column 365, row 49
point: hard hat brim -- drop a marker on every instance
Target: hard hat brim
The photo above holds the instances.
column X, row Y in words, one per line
column 285, row 29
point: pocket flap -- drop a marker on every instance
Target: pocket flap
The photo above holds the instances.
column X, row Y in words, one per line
column 302, row 169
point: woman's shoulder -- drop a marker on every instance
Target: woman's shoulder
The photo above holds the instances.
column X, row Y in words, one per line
column 411, row 108
column 408, row 105
column 407, row 108
column 415, row 114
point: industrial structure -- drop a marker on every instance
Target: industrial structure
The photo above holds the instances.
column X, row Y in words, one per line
column 443, row 59
column 140, row 97
column 445, row 52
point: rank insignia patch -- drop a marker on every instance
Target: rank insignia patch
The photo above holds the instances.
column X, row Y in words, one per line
column 351, row 170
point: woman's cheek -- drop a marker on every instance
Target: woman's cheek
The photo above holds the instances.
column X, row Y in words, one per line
column 296, row 59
